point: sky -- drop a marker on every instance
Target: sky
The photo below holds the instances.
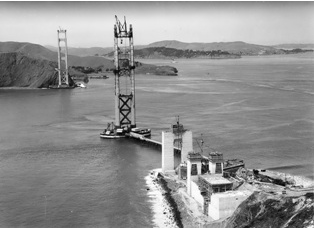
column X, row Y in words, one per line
column 90, row 24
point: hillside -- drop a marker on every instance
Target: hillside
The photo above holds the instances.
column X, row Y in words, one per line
column 32, row 50
column 19, row 70
column 267, row 210
column 171, row 53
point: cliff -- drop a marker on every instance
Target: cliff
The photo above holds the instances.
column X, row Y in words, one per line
column 19, row 70
column 267, row 210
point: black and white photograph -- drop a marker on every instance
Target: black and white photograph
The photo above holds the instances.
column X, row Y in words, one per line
column 156, row 114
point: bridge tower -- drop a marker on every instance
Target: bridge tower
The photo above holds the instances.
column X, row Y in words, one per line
column 125, row 116
column 63, row 80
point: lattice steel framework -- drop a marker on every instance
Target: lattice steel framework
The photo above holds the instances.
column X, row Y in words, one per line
column 124, row 73
column 63, row 79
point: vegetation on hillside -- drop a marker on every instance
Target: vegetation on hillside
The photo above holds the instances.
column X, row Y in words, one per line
column 163, row 52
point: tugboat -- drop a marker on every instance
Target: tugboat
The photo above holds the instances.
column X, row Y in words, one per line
column 112, row 132
column 82, row 85
column 140, row 132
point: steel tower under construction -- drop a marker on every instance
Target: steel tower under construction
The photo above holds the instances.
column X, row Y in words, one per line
column 125, row 116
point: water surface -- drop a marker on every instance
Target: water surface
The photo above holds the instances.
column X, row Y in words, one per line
column 55, row 171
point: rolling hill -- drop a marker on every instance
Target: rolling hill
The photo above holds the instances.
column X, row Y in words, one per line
column 237, row 47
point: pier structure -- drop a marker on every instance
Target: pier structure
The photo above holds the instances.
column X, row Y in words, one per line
column 63, row 76
column 125, row 112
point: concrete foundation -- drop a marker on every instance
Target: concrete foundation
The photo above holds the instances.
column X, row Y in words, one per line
column 196, row 193
column 223, row 205
column 167, row 151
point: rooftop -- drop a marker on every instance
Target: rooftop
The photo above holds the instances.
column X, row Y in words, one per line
column 215, row 180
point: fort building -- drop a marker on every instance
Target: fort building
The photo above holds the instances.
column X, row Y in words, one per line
column 206, row 181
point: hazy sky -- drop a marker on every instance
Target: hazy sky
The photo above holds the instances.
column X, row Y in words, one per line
column 91, row 24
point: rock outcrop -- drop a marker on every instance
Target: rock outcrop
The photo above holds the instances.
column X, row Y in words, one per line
column 267, row 210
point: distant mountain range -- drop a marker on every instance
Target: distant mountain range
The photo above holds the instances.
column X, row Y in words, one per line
column 84, row 51
column 40, row 52
column 295, row 46
column 237, row 47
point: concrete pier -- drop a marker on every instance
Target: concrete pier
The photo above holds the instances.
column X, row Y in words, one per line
column 167, row 151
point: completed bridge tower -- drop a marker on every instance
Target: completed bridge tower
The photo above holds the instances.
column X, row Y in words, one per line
column 63, row 80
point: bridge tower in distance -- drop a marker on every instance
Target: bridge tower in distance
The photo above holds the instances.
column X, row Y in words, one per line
column 125, row 116
column 63, row 77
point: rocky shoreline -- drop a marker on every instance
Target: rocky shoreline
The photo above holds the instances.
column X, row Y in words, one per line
column 164, row 209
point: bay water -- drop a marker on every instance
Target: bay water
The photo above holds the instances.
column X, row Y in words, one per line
column 55, row 171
